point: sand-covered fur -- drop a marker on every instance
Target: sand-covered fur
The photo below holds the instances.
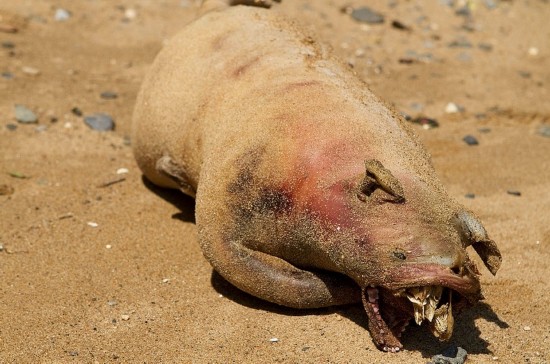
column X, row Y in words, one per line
column 310, row 191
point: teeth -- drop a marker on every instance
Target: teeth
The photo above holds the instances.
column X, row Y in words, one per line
column 424, row 300
column 442, row 325
column 433, row 300
column 420, row 296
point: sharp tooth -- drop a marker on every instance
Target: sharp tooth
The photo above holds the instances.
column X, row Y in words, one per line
column 433, row 300
column 419, row 296
column 442, row 325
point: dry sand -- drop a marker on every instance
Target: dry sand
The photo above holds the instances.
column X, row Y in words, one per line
column 135, row 288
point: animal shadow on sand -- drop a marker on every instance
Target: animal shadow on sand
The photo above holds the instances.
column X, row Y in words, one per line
column 415, row 338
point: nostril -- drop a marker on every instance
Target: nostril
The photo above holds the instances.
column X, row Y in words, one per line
column 457, row 270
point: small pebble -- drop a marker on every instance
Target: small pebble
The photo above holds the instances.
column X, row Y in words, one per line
column 62, row 15
column 273, row 340
column 470, row 196
column 460, row 43
column 533, row 51
column 399, row 25
column 122, row 171
column 464, row 57
column 451, row 355
column 30, row 71
column 405, row 116
column 41, row 128
column 463, row 11
column 8, row 45
column 453, row 108
column 100, row 122
column 544, row 130
column 108, row 246
column 11, row 127
column 166, row 280
column 366, row 15
column 485, row 47
column 125, row 317
column 514, row 192
column 130, row 13
column 25, row 115
column 108, row 95
column 470, row 140
column 112, row 303
column 527, row 328
column 93, row 224
column 7, row 75
column 76, row 111
column 426, row 123
column 490, row 4
column 1, row 248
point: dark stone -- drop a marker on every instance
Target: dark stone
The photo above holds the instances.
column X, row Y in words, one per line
column 470, row 196
column 460, row 43
column 75, row 110
column 470, row 140
column 7, row 75
column 485, row 47
column 367, row 15
column 108, row 95
column 11, row 127
column 398, row 25
column 425, row 122
column 100, row 122
column 451, row 355
column 8, row 45
column 514, row 192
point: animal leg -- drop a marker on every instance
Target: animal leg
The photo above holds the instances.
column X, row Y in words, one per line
column 274, row 279
column 175, row 173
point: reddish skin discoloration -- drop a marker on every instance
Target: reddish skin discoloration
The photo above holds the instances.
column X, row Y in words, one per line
column 272, row 137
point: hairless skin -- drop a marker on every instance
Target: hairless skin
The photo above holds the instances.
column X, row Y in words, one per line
column 310, row 191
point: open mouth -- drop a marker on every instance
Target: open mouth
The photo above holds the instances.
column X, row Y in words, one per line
column 390, row 312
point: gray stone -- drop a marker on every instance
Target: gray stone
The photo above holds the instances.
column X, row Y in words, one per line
column 100, row 122
column 108, row 95
column 367, row 15
column 544, row 130
column 25, row 115
column 470, row 140
column 451, row 355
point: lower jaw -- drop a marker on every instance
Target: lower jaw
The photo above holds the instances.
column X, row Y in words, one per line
column 389, row 313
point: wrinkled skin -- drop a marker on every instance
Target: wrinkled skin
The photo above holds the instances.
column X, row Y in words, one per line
column 310, row 192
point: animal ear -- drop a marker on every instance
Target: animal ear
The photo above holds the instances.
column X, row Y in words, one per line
column 376, row 176
column 476, row 236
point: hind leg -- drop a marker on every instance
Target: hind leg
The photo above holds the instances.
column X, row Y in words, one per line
column 274, row 279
